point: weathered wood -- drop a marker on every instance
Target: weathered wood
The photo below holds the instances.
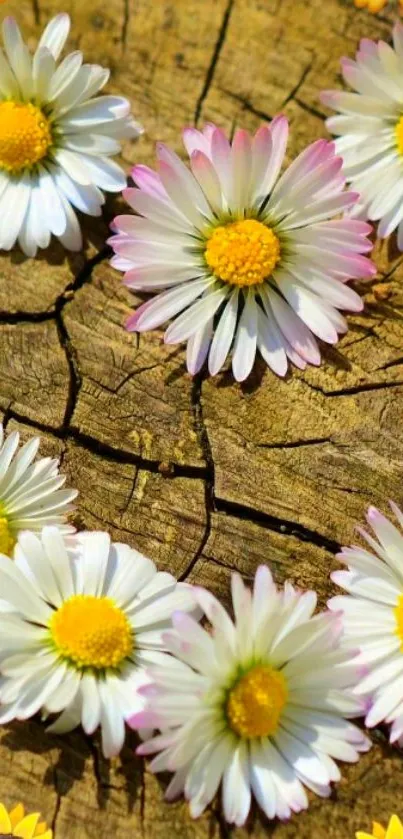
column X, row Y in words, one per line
column 203, row 476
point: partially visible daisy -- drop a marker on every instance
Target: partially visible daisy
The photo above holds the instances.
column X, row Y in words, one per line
column 393, row 831
column 90, row 618
column 373, row 618
column 30, row 491
column 259, row 704
column 17, row 823
column 56, row 139
column 375, row 6
column 370, row 130
column 252, row 260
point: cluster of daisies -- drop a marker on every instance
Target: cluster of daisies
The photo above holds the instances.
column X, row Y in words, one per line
column 245, row 257
column 92, row 634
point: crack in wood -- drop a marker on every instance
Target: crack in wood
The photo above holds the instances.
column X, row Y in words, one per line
column 298, row 85
column 214, row 60
column 310, row 109
column 209, row 479
column 75, row 378
column 36, row 11
column 355, row 389
column 295, row 444
column 125, row 23
column 290, row 528
column 246, row 105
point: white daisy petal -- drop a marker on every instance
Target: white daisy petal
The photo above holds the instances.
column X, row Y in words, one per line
column 228, row 711
column 224, row 334
column 55, row 35
column 245, row 340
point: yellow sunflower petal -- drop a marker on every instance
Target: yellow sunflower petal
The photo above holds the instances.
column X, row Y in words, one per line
column 16, row 815
column 5, row 823
column 47, row 835
column 395, row 829
column 26, row 828
column 40, row 829
column 378, row 831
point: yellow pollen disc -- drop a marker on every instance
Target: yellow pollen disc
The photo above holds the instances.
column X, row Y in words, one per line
column 242, row 253
column 25, row 136
column 7, row 540
column 399, row 135
column 92, row 632
column 255, row 704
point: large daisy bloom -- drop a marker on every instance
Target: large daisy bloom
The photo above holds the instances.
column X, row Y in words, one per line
column 259, row 703
column 88, row 618
column 249, row 259
column 31, row 493
column 56, row 140
column 18, row 823
column 393, row 831
column 373, row 618
column 369, row 126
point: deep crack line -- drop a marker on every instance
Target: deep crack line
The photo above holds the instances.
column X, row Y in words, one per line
column 125, row 24
column 75, row 380
column 37, row 12
column 214, row 60
column 209, row 479
column 65, row 297
column 97, row 447
column 287, row 528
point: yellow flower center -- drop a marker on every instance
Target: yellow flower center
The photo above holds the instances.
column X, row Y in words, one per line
column 255, row 703
column 7, row 540
column 242, row 253
column 399, row 135
column 92, row 632
column 25, row 136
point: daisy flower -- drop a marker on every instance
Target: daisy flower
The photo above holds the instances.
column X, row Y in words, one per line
column 56, row 140
column 30, row 491
column 89, row 617
column 369, row 126
column 251, row 259
column 258, row 704
column 393, row 831
column 16, row 823
column 373, row 618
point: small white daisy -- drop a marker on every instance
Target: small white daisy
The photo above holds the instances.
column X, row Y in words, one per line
column 252, row 261
column 30, row 491
column 259, row 704
column 56, row 140
column 89, row 618
column 373, row 618
column 370, row 129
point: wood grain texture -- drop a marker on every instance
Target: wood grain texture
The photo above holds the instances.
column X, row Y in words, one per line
column 204, row 476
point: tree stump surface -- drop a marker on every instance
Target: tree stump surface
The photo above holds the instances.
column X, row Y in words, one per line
column 205, row 475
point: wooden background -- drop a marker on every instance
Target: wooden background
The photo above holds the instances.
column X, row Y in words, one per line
column 206, row 475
